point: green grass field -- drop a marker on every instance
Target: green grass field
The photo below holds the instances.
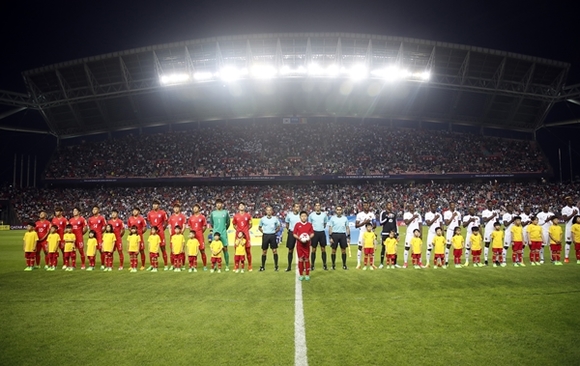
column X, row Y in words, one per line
column 468, row 316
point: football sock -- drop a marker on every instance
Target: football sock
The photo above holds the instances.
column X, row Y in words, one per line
column 307, row 267
column 428, row 256
column 276, row 260
column 467, row 252
column 504, row 255
column 577, row 254
column 204, row 258
column 300, row 267
column 121, row 258
column 249, row 256
column 333, row 259
column 227, row 258
column 395, row 260
column 37, row 257
column 358, row 255
column 383, row 249
column 73, row 257
column 312, row 257
column 567, row 250
column 406, row 255
column 542, row 253
column 103, row 259
column 290, row 255
column 263, row 260
column 142, row 258
column 172, row 258
column 446, row 255
column 343, row 259
column 324, row 258
column 485, row 253
column 164, row 254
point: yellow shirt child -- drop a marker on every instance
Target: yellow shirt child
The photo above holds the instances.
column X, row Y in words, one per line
column 53, row 242
column 91, row 247
column 69, row 242
column 109, row 242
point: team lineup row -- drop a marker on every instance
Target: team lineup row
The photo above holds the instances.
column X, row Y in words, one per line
column 519, row 230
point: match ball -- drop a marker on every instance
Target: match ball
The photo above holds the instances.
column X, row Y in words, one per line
column 304, row 237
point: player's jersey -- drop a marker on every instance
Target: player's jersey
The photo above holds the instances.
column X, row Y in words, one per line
column 109, row 240
column 134, row 241
column 292, row 219
column 575, row 233
column 42, row 228
column 439, row 244
column 489, row 221
column 177, row 243
column 78, row 224
column 472, row 224
column 69, row 242
column 158, row 219
column 30, row 239
column 391, row 245
column 496, row 237
column 543, row 218
column 534, row 232
column 517, row 233
column 362, row 217
column 91, row 247
column 475, row 241
column 567, row 211
column 219, row 221
column 555, row 233
column 416, row 245
column 137, row 221
column 98, row 223
column 457, row 241
column 414, row 224
column 448, row 215
column 216, row 247
column 240, row 247
column 507, row 217
column 118, row 226
column 303, row 228
column 242, row 221
column 338, row 224
column 318, row 220
column 369, row 239
column 197, row 223
column 154, row 241
column 176, row 220
column 60, row 223
column 429, row 216
column 53, row 240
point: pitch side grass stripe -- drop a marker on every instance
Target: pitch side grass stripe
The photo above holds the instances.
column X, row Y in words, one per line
column 300, row 350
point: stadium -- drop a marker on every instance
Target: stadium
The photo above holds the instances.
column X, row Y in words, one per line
column 343, row 120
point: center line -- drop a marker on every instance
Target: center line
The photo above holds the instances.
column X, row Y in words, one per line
column 300, row 357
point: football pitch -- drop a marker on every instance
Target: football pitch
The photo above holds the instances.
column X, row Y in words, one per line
column 467, row 316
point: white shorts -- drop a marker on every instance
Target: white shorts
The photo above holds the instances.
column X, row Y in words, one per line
column 430, row 237
column 408, row 240
column 507, row 239
column 545, row 237
column 568, row 235
column 468, row 242
column 448, row 236
column 487, row 235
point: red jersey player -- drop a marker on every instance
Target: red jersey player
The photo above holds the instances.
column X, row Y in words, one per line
column 158, row 218
column 97, row 223
column 303, row 233
column 79, row 228
column 198, row 224
column 42, row 228
column 60, row 222
column 243, row 223
column 139, row 222
column 176, row 219
column 119, row 230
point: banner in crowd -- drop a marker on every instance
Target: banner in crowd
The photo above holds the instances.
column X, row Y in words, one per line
column 4, row 227
column 294, row 120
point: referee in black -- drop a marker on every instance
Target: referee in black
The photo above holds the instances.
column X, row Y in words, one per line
column 339, row 233
column 388, row 219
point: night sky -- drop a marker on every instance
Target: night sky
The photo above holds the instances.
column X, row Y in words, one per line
column 42, row 33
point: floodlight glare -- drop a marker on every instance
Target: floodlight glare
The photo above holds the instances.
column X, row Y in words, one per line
column 285, row 70
column 202, row 75
column 174, row 78
column 230, row 73
column 264, row 71
column 332, row 70
column 315, row 69
column 426, row 75
column 358, row 72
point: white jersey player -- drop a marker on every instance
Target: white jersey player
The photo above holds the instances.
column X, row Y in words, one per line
column 434, row 220
column 545, row 221
column 470, row 221
column 568, row 213
column 526, row 220
column 508, row 219
column 362, row 218
column 452, row 219
column 489, row 217
column 413, row 221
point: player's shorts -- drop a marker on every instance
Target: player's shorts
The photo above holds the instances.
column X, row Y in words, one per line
column 439, row 256
column 215, row 260
column 318, row 238
column 449, row 235
column 416, row 255
column 476, row 253
column 430, row 237
column 497, row 251
column 42, row 246
column 507, row 239
column 408, row 239
column 369, row 251
column 290, row 241
column 517, row 246
column 457, row 252
column 239, row 258
column 303, row 250
column 556, row 247
column 391, row 256
column 339, row 239
column 536, row 245
column 269, row 241
column 29, row 255
column 487, row 234
column 153, row 255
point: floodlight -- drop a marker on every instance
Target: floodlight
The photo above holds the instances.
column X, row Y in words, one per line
column 285, row 70
column 202, row 75
column 231, row 73
column 358, row 72
column 264, row 71
column 177, row 78
column 332, row 70
column 426, row 75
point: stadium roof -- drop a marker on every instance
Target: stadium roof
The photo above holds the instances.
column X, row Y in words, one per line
column 294, row 74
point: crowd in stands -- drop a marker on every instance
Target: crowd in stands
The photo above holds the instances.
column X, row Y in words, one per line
column 28, row 202
column 260, row 149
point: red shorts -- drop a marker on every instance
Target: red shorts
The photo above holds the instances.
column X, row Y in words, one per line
column 153, row 255
column 239, row 258
column 29, row 255
column 577, row 246
column 457, row 252
column 536, row 245
column 517, row 246
column 303, row 250
column 416, row 255
column 369, row 251
column 556, row 247
column 391, row 256
column 133, row 253
column 439, row 256
column 497, row 251
column 476, row 253
column 216, row 260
